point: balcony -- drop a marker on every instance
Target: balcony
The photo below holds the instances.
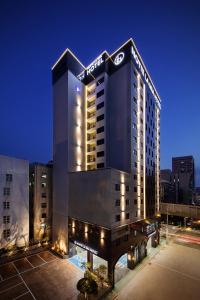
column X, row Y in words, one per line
column 91, row 149
column 91, row 160
column 91, row 106
column 91, row 128
column 91, row 117
column 91, row 139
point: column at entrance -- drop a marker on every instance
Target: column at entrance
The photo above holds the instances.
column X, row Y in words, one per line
column 90, row 259
column 131, row 259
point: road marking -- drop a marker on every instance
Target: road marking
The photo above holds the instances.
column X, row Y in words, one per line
column 20, row 295
column 181, row 273
column 25, row 283
column 13, row 286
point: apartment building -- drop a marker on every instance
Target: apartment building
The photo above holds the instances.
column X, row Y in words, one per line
column 183, row 179
column 40, row 197
column 14, row 202
column 106, row 152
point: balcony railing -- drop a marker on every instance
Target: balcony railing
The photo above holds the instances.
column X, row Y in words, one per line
column 91, row 104
column 91, row 115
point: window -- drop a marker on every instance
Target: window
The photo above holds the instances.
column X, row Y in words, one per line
column 100, row 154
column 127, row 202
column 44, row 175
column 117, row 218
column 135, row 189
column 117, row 187
column 117, row 242
column 100, row 165
column 127, row 188
column 135, row 177
column 6, row 233
column 43, row 205
column 8, row 177
column 44, row 195
column 44, row 215
column 135, row 100
column 6, row 205
column 100, row 142
column 6, row 219
column 127, row 215
column 125, row 238
column 117, row 202
column 6, row 191
column 100, row 81
column 100, row 129
column 99, row 118
column 101, row 93
column 43, row 184
column 135, row 201
column 100, row 105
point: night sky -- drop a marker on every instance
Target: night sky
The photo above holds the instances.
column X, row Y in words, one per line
column 33, row 34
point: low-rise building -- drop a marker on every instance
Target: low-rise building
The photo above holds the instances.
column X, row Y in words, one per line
column 40, row 193
column 14, row 202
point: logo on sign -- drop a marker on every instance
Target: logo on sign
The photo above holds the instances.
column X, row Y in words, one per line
column 119, row 58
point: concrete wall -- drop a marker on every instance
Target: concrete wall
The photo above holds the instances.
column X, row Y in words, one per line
column 92, row 197
column 18, row 199
column 64, row 151
column 118, row 120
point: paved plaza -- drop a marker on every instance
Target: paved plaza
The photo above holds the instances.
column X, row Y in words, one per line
column 40, row 277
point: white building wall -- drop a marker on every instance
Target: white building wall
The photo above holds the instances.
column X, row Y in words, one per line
column 18, row 199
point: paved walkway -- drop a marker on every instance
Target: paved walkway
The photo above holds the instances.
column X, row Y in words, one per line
column 40, row 277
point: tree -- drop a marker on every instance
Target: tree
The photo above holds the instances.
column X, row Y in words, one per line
column 87, row 286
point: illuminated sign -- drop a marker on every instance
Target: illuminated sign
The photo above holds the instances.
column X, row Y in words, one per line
column 119, row 58
column 144, row 73
column 90, row 69
column 86, row 247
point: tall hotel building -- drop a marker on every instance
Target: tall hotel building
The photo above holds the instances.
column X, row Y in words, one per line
column 106, row 156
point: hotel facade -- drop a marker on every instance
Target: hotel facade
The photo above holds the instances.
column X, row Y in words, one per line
column 106, row 153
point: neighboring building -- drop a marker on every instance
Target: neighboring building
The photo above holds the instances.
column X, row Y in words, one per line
column 40, row 195
column 197, row 196
column 14, row 202
column 183, row 178
column 167, row 191
column 106, row 153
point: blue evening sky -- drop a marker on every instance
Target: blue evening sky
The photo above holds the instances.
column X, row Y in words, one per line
column 34, row 33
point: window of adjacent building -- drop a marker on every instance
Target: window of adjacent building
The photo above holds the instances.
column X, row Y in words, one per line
column 100, row 105
column 99, row 118
column 136, row 214
column 127, row 202
column 44, row 175
column 135, row 189
column 6, row 219
column 135, row 177
column 44, row 195
column 100, row 154
column 101, row 93
column 44, row 215
column 43, row 184
column 100, row 81
column 9, row 177
column 6, row 191
column 127, row 188
column 6, row 233
column 125, row 238
column 43, row 205
column 100, row 142
column 6, row 205
column 134, row 99
column 127, row 215
column 117, row 187
column 117, row 218
column 117, row 202
column 100, row 129
column 100, row 165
